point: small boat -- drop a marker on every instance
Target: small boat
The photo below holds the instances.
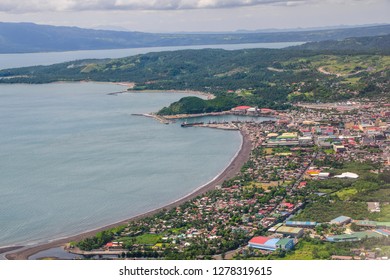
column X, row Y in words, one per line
column 186, row 124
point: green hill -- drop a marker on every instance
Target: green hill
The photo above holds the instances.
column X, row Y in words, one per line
column 256, row 77
column 372, row 44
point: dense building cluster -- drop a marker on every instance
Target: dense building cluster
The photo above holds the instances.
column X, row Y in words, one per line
column 301, row 145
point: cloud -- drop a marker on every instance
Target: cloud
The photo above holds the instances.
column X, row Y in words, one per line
column 21, row 6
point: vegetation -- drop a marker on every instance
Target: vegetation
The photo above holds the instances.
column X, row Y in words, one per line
column 257, row 77
column 99, row 239
column 315, row 249
column 347, row 196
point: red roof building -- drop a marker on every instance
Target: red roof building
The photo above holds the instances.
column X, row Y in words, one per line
column 241, row 108
column 259, row 239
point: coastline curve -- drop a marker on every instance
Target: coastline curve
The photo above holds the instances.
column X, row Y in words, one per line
column 229, row 172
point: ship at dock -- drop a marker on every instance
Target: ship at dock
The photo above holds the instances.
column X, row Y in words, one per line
column 186, row 124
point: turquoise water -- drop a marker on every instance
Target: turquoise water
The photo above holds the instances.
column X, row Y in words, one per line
column 73, row 158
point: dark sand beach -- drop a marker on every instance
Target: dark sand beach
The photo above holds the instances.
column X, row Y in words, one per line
column 8, row 249
column 234, row 167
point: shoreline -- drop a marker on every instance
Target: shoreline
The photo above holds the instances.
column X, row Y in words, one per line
column 208, row 96
column 11, row 248
column 241, row 157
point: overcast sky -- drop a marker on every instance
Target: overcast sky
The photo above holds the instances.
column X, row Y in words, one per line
column 196, row 15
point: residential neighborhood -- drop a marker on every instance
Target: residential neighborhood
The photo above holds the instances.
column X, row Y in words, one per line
column 295, row 162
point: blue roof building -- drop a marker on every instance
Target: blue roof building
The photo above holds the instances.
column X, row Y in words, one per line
column 342, row 220
column 300, row 224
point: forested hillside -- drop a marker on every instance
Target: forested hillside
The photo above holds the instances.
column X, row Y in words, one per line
column 255, row 77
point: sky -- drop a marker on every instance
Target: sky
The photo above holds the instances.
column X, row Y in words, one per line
column 196, row 15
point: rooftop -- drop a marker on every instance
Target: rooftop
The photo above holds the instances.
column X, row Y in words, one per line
column 259, row 240
column 340, row 219
column 286, row 229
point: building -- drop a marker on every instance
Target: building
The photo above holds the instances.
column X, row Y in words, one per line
column 384, row 232
column 348, row 175
column 263, row 243
column 354, row 236
column 305, row 140
column 385, row 225
column 365, row 223
column 285, row 244
column 373, row 206
column 267, row 111
column 290, row 231
column 338, row 148
column 271, row 244
column 342, row 220
column 241, row 109
column 275, row 227
column 372, row 224
column 288, row 136
column 306, row 224
column 323, row 175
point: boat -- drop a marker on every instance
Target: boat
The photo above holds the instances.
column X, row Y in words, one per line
column 186, row 124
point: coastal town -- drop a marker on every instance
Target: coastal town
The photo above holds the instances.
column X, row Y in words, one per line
column 317, row 177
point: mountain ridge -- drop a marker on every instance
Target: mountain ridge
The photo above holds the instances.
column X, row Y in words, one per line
column 31, row 37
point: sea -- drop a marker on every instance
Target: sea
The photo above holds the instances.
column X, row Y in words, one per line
column 73, row 157
column 47, row 58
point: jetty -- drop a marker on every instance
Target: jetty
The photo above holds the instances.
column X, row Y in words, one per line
column 161, row 119
column 215, row 125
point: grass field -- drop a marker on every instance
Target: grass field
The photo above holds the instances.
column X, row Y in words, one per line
column 264, row 186
column 150, row 239
column 145, row 239
column 329, row 151
column 349, row 65
column 345, row 66
column 346, row 194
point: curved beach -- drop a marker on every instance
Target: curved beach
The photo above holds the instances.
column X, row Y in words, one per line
column 230, row 171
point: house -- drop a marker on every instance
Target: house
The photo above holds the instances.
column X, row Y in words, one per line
column 338, row 148
column 373, row 207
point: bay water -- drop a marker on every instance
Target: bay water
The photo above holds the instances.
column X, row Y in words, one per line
column 73, row 158
column 32, row 59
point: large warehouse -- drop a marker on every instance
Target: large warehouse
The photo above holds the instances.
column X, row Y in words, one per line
column 290, row 231
column 271, row 244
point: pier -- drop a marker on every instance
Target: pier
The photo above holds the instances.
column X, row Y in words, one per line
column 161, row 119
column 215, row 125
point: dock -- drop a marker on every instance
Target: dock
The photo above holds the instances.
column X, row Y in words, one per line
column 161, row 119
column 214, row 125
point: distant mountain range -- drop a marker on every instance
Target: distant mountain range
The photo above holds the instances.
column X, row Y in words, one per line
column 30, row 37
column 370, row 44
